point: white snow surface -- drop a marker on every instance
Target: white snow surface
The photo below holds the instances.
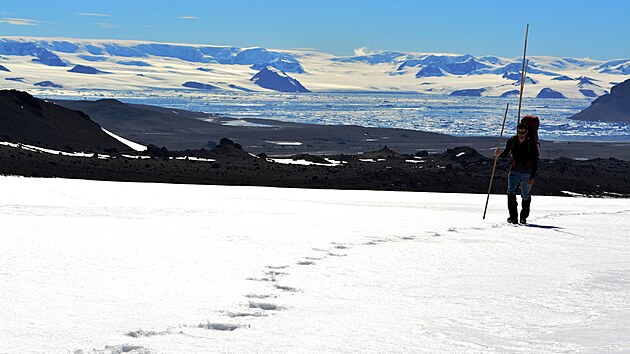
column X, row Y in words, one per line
column 135, row 146
column 108, row 267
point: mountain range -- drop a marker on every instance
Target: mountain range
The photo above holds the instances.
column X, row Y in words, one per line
column 60, row 63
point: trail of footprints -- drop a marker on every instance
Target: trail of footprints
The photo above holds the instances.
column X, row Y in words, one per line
column 264, row 305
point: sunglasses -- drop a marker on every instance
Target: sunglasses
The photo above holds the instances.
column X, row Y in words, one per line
column 522, row 132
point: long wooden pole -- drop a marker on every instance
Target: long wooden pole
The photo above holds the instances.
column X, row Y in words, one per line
column 520, row 98
column 495, row 160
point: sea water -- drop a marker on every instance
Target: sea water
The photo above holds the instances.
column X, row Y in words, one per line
column 459, row 116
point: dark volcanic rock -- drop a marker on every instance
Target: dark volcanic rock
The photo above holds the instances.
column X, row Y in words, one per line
column 384, row 153
column 463, row 154
column 28, row 120
column 614, row 107
column 598, row 177
column 228, row 148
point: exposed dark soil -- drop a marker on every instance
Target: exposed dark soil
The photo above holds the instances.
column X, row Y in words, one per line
column 446, row 172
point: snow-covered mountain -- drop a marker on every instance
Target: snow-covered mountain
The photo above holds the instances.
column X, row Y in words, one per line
column 124, row 65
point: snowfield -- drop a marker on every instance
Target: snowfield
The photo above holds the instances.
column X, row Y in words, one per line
column 110, row 267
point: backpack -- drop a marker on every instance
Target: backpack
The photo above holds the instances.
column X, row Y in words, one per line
column 532, row 126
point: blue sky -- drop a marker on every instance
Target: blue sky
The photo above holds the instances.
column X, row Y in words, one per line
column 566, row 28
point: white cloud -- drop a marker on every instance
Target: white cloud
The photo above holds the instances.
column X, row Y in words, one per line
column 188, row 18
column 365, row 51
column 20, row 21
column 105, row 25
column 92, row 14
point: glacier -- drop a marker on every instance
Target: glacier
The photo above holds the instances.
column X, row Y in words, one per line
column 151, row 65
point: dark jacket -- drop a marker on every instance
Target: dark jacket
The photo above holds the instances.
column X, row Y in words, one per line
column 525, row 155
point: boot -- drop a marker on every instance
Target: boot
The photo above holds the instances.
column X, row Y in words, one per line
column 513, row 209
column 525, row 211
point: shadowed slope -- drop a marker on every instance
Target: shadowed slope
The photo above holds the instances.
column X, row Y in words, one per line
column 28, row 120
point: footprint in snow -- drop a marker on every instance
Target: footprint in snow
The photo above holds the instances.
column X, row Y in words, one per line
column 265, row 306
column 339, row 246
column 256, row 296
column 286, row 288
column 244, row 314
column 219, row 326
column 142, row 333
column 116, row 349
column 337, row 254
column 270, row 278
column 278, row 267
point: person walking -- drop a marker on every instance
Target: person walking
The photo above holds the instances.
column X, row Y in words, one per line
column 525, row 153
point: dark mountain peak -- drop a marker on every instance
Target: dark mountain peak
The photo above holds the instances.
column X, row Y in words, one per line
column 21, row 98
column 614, row 106
column 29, row 120
column 622, row 89
column 274, row 79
